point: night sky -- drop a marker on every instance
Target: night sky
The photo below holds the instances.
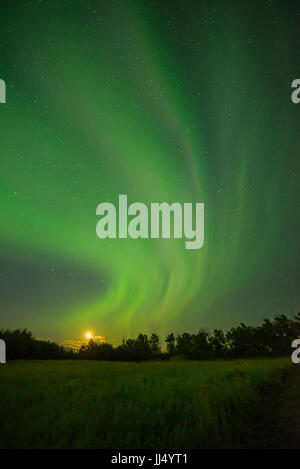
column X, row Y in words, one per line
column 164, row 101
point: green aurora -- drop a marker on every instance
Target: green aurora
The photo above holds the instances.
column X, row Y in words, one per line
column 164, row 101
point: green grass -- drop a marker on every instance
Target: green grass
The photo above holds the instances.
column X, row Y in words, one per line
column 89, row 404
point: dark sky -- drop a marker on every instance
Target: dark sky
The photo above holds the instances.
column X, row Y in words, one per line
column 165, row 101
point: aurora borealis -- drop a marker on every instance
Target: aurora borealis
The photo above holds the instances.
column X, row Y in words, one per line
column 164, row 101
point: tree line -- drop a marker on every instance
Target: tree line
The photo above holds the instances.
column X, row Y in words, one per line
column 271, row 339
column 20, row 344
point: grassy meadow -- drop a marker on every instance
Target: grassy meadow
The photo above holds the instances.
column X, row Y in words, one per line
column 176, row 404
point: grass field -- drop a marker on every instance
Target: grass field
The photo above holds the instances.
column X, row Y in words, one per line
column 184, row 404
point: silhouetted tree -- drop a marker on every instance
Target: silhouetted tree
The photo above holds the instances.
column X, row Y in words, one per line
column 184, row 344
column 155, row 345
column 170, row 341
column 218, row 342
column 202, row 348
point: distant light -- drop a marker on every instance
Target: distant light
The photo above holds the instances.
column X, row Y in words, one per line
column 88, row 335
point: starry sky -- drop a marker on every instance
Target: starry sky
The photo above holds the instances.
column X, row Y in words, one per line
column 164, row 101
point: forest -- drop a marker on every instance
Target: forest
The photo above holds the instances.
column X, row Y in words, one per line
column 271, row 339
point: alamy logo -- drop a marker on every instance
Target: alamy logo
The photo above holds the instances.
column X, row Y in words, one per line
column 296, row 93
column 160, row 221
column 295, row 355
column 2, row 92
column 2, row 351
